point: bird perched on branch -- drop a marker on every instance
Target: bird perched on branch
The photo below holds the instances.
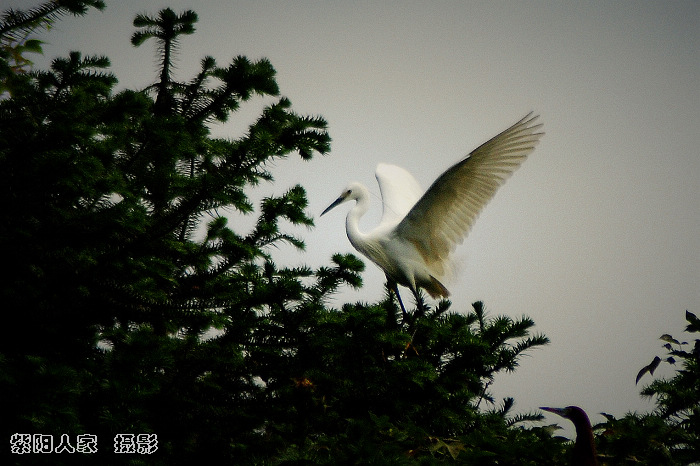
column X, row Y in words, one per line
column 584, row 453
column 419, row 231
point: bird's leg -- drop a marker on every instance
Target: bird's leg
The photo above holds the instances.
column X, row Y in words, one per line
column 398, row 296
column 420, row 304
column 395, row 288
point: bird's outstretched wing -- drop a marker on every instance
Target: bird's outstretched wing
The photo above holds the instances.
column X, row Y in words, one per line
column 443, row 216
column 400, row 191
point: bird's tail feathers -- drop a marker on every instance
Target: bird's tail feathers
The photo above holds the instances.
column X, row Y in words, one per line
column 436, row 289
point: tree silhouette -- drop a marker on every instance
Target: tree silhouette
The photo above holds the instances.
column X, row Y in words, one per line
column 139, row 307
column 17, row 24
column 670, row 435
column 166, row 29
column 16, row 27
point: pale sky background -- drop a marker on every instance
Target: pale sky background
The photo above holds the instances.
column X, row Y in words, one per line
column 596, row 237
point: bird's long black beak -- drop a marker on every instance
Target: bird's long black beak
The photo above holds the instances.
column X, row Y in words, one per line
column 559, row 411
column 335, row 203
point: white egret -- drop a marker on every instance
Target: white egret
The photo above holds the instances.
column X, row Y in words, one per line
column 418, row 232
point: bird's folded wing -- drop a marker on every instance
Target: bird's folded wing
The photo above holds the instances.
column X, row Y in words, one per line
column 443, row 216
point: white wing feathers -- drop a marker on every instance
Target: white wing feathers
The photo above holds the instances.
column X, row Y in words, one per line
column 400, row 191
column 443, row 216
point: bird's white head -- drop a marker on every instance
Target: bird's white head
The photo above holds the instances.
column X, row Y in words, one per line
column 352, row 192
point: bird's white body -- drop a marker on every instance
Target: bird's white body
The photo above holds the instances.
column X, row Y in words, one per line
column 398, row 257
column 418, row 231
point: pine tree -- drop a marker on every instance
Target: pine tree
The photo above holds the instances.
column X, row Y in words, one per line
column 137, row 307
column 16, row 27
column 102, row 195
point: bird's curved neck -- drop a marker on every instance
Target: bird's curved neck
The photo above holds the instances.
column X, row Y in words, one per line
column 352, row 221
column 584, row 447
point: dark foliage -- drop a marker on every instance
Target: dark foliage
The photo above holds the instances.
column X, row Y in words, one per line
column 135, row 306
column 670, row 435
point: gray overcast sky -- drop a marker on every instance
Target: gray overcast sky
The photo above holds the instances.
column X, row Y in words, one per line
column 596, row 237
